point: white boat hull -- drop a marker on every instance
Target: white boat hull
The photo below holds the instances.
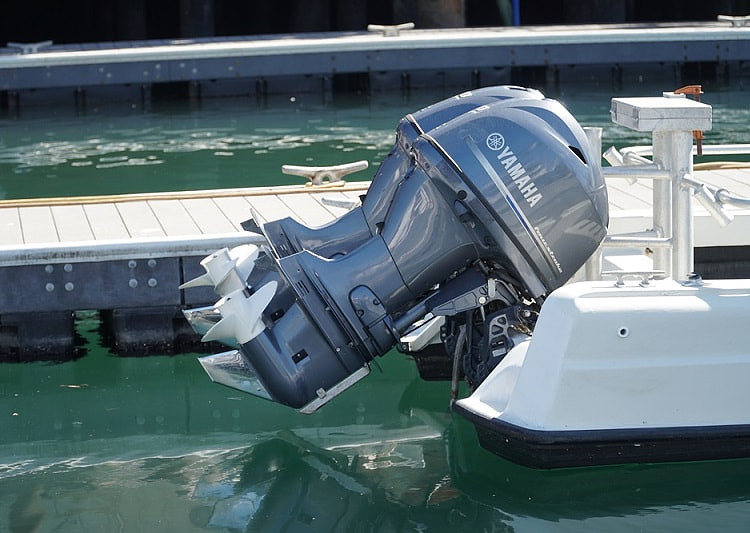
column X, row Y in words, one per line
column 624, row 374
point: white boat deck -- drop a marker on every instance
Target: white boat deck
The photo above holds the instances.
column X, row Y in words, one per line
column 35, row 231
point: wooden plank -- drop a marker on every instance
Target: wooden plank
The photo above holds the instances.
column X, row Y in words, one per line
column 105, row 221
column 236, row 209
column 307, row 209
column 71, row 223
column 10, row 227
column 139, row 220
column 173, row 218
column 270, row 207
column 207, row 216
column 37, row 225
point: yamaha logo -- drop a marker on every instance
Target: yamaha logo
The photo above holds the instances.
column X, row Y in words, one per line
column 495, row 141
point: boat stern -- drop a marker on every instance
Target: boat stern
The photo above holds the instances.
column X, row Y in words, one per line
column 623, row 373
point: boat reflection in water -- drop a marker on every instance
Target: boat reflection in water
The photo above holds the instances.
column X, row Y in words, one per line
column 105, row 443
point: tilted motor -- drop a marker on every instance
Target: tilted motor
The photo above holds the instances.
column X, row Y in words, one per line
column 487, row 203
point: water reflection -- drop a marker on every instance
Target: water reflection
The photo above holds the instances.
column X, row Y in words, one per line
column 284, row 482
column 226, row 143
column 179, row 453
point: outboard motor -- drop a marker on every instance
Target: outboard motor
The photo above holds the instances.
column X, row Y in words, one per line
column 486, row 214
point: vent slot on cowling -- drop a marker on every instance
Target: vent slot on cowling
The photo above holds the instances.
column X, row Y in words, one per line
column 577, row 152
column 302, row 288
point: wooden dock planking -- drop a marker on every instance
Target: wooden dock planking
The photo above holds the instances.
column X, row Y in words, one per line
column 235, row 208
column 173, row 218
column 38, row 225
column 140, row 220
column 105, row 221
column 10, row 227
column 71, row 223
column 208, row 216
column 162, row 215
column 269, row 207
column 205, row 213
column 307, row 209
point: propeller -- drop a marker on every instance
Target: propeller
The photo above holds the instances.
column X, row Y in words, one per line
column 226, row 270
column 201, row 319
column 241, row 314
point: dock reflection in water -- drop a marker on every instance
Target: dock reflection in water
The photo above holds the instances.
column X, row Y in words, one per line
column 106, row 443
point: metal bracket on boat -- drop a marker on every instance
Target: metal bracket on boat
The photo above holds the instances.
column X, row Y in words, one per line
column 391, row 31
column 736, row 21
column 30, row 48
column 710, row 199
column 644, row 275
column 325, row 176
column 631, row 166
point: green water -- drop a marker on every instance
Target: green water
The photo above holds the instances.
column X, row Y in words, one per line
column 122, row 148
column 108, row 443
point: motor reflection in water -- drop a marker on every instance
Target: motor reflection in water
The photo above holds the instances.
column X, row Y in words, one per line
column 109, row 444
column 442, row 481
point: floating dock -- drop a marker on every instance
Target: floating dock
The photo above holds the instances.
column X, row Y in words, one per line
column 126, row 255
column 386, row 58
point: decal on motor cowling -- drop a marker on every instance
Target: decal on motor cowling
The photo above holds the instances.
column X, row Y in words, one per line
column 496, row 142
column 532, row 231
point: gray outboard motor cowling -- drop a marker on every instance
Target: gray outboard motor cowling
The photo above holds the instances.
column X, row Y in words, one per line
column 498, row 206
